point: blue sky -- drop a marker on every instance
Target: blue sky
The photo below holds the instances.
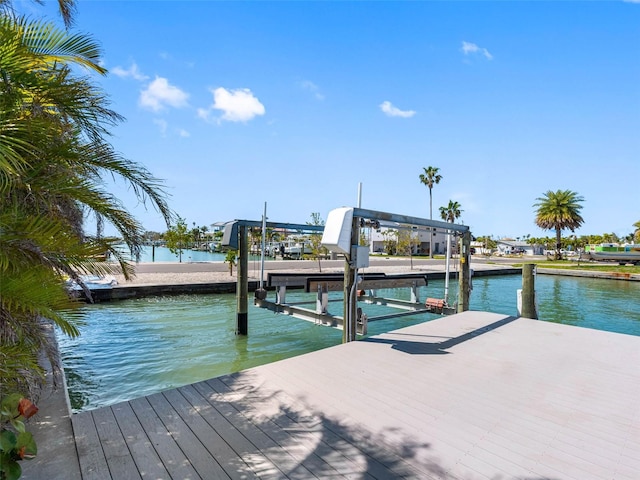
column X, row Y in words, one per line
column 295, row 103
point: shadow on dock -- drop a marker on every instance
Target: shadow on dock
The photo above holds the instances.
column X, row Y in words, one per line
column 439, row 348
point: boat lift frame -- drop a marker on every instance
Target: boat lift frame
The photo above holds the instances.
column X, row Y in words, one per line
column 342, row 233
column 236, row 236
column 323, row 283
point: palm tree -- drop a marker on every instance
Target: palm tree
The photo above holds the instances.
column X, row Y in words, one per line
column 53, row 162
column 636, row 233
column 451, row 212
column 430, row 177
column 65, row 120
column 559, row 210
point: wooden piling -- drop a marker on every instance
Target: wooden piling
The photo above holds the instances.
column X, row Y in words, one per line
column 528, row 291
column 243, row 282
column 464, row 280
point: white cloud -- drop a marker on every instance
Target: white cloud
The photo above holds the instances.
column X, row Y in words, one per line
column 239, row 105
column 160, row 93
column 313, row 88
column 132, row 72
column 392, row 111
column 469, row 48
column 183, row 133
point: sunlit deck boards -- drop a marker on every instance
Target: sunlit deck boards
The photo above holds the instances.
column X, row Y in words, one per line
column 470, row 396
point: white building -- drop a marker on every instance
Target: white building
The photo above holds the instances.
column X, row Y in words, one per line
column 421, row 245
column 511, row 247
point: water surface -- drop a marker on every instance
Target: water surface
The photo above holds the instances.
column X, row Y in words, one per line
column 163, row 254
column 137, row 347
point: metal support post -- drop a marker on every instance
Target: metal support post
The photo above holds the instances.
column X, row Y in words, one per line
column 350, row 297
column 414, row 293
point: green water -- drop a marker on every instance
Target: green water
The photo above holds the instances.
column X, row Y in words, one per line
column 137, row 347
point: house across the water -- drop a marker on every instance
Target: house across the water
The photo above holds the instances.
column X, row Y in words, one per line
column 515, row 247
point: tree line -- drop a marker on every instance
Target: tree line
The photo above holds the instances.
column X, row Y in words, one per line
column 555, row 210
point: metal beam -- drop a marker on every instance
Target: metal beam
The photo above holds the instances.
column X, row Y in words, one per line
column 230, row 233
column 403, row 220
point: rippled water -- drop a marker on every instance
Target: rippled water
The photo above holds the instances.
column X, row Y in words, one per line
column 163, row 254
column 137, row 347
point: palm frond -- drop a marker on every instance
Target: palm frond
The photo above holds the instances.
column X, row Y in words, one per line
column 52, row 45
column 39, row 293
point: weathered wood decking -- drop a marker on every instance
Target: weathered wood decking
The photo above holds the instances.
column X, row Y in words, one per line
column 470, row 396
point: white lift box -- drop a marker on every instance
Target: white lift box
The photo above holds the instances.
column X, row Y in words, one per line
column 337, row 230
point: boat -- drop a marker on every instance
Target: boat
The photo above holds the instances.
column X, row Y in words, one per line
column 298, row 249
column 614, row 252
column 291, row 247
column 93, row 282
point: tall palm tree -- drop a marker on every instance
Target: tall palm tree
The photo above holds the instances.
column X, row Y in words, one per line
column 53, row 165
column 636, row 233
column 559, row 210
column 430, row 177
column 451, row 212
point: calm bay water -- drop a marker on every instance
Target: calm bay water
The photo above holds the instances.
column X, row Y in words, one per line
column 137, row 347
column 163, row 254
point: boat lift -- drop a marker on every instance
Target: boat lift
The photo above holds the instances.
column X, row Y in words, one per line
column 341, row 235
column 235, row 236
column 323, row 283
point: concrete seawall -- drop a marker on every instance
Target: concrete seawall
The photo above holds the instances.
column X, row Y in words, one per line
column 633, row 277
column 123, row 292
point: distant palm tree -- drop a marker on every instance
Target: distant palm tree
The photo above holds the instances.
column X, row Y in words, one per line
column 636, row 233
column 430, row 177
column 451, row 212
column 559, row 210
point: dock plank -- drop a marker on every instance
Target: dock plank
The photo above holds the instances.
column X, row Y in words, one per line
column 140, row 446
column 119, row 459
column 287, row 433
column 93, row 464
column 287, row 459
column 199, row 457
column 218, row 448
column 173, row 458
column 248, row 453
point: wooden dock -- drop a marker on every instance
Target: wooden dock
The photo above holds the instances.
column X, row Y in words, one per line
column 470, row 396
